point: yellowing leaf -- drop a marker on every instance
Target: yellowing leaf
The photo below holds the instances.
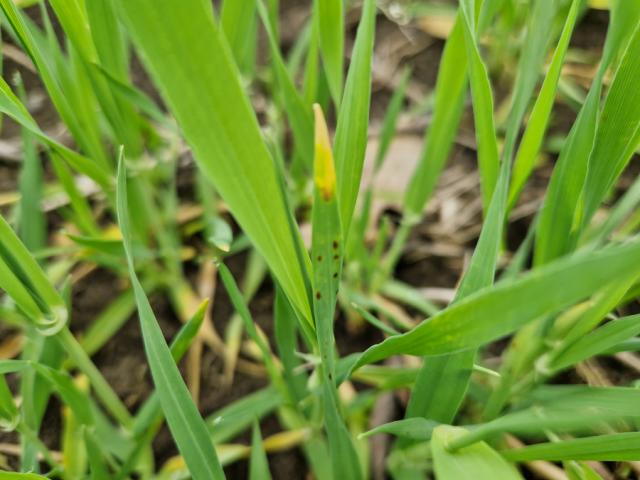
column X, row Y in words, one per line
column 323, row 166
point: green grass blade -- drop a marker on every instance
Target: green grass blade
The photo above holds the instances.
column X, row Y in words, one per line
column 344, row 459
column 285, row 332
column 312, row 72
column 74, row 20
column 231, row 420
column 623, row 19
column 557, row 229
column 541, row 113
column 577, row 409
column 136, row 97
column 375, row 321
column 46, row 57
column 408, row 295
column 11, row 105
column 569, row 329
column 617, row 447
column 32, row 226
column 97, row 464
column 180, row 344
column 258, row 463
column 326, row 244
column 414, row 428
column 350, row 140
column 186, row 424
column 21, row 476
column 450, row 92
column 327, row 253
column 298, row 113
column 539, row 31
column 181, row 45
column 442, row 382
column 329, row 15
column 617, row 136
column 238, row 21
column 390, row 120
column 488, row 159
column 478, row 461
column 491, row 313
column 596, row 342
column 625, row 206
column 113, row 57
column 68, row 392
column 242, row 309
column 23, row 279
column 82, row 215
column 108, row 39
column 150, row 416
column 9, row 414
column 555, row 234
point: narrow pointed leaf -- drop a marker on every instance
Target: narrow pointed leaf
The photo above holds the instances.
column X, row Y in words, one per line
column 330, row 20
column 488, row 159
column 180, row 45
column 617, row 447
column 258, row 463
column 350, row 141
column 541, row 113
column 492, row 313
column 186, row 424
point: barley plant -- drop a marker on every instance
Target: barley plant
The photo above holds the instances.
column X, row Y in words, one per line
column 194, row 153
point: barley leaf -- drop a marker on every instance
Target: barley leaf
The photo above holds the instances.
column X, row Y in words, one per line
column 329, row 15
column 596, row 342
column 389, row 123
column 616, row 138
column 541, row 113
column 10, row 105
column 478, row 461
column 448, row 106
column 488, row 160
column 414, row 428
column 185, row 422
column 577, row 409
column 231, row 420
column 23, row 279
column 238, row 21
column 298, row 113
column 181, row 45
column 258, row 463
column 20, row 476
column 326, row 249
column 605, row 448
column 350, row 140
column 556, row 233
column 492, row 313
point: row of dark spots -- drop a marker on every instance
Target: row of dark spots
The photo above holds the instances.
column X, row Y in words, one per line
column 335, row 257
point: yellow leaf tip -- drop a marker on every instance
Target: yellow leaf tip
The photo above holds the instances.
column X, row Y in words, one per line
column 324, row 169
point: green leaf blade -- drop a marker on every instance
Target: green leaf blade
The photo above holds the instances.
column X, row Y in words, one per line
column 185, row 422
